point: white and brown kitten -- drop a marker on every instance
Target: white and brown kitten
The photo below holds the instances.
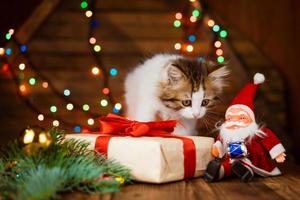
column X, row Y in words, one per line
column 174, row 87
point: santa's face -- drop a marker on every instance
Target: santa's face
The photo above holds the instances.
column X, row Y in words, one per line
column 238, row 126
column 237, row 118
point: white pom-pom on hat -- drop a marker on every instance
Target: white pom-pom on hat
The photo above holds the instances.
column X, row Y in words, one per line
column 258, row 78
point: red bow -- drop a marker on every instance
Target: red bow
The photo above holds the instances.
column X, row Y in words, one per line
column 117, row 125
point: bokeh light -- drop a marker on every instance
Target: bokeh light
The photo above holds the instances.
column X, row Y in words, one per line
column 55, row 123
column 53, row 109
column 67, row 92
column 103, row 102
column 113, row 71
column 40, row 117
column 85, row 107
column 69, row 106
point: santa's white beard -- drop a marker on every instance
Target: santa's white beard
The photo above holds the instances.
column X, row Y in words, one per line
column 240, row 134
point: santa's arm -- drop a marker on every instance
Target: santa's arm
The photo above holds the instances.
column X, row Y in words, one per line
column 271, row 143
column 219, row 146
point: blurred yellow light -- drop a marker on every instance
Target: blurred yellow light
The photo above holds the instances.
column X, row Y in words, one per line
column 189, row 48
column 193, row 19
column 69, row 106
column 40, row 117
column 118, row 106
column 90, row 121
column 210, row 23
column 29, row 136
column 97, row 48
column 42, row 137
column 55, row 123
column 95, row 71
column 104, row 102
column 218, row 44
column 22, row 88
column 22, row 66
column 177, row 46
column 88, row 13
column 2, row 51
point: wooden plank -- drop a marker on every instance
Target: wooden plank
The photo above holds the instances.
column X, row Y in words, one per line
column 31, row 25
column 282, row 187
column 109, row 46
column 132, row 5
column 61, row 62
column 116, row 18
column 50, row 31
column 244, row 47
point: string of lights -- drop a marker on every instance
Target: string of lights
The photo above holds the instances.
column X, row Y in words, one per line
column 23, row 87
column 190, row 20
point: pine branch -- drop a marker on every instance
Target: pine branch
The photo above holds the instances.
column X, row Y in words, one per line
column 65, row 165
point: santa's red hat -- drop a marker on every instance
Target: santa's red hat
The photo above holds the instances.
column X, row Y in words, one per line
column 245, row 97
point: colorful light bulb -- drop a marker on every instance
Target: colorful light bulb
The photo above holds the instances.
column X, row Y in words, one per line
column 113, row 72
column 85, row 107
column 103, row 102
column 69, row 106
column 53, row 109
column 40, row 117
column 67, row 92
column 105, row 91
column 177, row 23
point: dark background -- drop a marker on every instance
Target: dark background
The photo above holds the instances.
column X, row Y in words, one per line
column 271, row 27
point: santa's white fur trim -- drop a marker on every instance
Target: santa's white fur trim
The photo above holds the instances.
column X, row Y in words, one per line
column 276, row 150
column 244, row 107
column 258, row 78
column 261, row 172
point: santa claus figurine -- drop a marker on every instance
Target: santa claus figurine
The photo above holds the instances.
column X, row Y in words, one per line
column 242, row 145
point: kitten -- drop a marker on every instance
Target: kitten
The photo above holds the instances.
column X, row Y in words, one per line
column 170, row 86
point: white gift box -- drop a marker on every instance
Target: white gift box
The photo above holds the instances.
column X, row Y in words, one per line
column 153, row 159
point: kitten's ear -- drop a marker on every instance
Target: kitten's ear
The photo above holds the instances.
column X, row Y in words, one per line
column 219, row 77
column 174, row 74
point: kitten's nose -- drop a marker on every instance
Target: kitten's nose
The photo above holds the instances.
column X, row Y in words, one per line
column 196, row 114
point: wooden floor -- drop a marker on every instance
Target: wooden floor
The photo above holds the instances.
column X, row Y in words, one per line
column 286, row 186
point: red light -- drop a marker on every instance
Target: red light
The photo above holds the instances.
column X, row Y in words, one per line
column 105, row 91
column 5, row 68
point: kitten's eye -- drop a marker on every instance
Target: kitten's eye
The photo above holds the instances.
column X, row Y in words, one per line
column 186, row 102
column 205, row 102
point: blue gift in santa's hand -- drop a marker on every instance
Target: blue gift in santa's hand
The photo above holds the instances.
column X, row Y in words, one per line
column 237, row 150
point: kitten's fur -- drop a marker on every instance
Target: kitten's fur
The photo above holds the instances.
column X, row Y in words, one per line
column 165, row 85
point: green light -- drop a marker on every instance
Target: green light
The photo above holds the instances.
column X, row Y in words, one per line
column 32, row 81
column 223, row 34
column 84, row 4
column 7, row 36
column 220, row 59
column 85, row 107
column 177, row 23
column 196, row 13
column 53, row 109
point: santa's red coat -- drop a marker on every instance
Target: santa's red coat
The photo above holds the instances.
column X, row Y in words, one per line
column 257, row 148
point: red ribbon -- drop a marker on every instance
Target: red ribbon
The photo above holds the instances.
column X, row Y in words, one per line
column 114, row 125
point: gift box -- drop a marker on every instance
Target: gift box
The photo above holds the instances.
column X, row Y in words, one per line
column 153, row 154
